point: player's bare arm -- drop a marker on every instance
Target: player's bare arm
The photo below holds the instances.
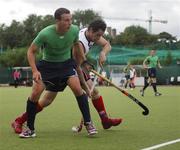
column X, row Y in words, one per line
column 144, row 64
column 32, row 62
column 106, row 47
column 79, row 58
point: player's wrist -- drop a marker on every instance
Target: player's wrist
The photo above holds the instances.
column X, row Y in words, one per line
column 103, row 53
column 34, row 70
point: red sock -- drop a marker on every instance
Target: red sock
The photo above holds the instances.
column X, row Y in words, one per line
column 99, row 105
column 23, row 118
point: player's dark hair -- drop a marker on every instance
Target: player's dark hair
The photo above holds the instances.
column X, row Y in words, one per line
column 97, row 25
column 59, row 12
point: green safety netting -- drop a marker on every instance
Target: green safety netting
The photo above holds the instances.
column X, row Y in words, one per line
column 121, row 55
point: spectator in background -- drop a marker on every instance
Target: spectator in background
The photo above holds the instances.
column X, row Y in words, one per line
column 132, row 77
column 16, row 77
column 126, row 70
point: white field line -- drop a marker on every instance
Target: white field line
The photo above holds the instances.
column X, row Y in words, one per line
column 161, row 145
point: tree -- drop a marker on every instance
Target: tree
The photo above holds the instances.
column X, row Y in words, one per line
column 178, row 44
column 16, row 57
column 12, row 35
column 21, row 34
column 11, row 58
column 83, row 17
column 169, row 58
column 166, row 36
column 46, row 21
column 134, row 35
column 167, row 40
column 33, row 24
column 118, row 39
column 2, row 30
column 31, row 28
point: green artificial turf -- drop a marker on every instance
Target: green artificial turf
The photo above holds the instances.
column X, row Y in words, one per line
column 54, row 123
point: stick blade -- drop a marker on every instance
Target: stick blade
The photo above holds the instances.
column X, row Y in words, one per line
column 146, row 112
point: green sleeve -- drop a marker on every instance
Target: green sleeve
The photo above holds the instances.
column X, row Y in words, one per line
column 39, row 40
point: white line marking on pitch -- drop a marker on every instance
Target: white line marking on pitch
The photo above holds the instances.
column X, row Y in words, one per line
column 161, row 145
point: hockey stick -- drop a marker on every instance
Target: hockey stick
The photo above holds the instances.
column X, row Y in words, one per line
column 45, row 82
column 95, row 79
column 146, row 110
column 48, row 83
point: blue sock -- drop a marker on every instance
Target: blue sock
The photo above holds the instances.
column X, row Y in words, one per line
column 31, row 114
column 84, row 107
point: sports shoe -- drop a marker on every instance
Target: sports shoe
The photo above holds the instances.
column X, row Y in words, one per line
column 90, row 128
column 108, row 122
column 17, row 127
column 158, row 94
column 142, row 92
column 27, row 133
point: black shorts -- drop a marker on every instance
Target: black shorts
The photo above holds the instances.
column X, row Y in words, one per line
column 56, row 74
column 131, row 79
column 127, row 77
column 152, row 72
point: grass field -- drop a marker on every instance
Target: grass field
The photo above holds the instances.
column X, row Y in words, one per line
column 53, row 124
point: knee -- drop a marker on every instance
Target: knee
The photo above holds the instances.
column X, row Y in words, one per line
column 46, row 103
column 77, row 91
column 35, row 95
column 153, row 80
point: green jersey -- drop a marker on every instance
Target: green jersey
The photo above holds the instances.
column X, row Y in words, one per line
column 57, row 48
column 152, row 61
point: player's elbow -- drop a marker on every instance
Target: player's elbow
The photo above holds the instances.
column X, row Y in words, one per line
column 108, row 45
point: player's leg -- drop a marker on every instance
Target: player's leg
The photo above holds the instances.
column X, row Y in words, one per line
column 133, row 82
column 126, row 83
column 48, row 97
column 132, row 85
column 19, row 121
column 17, row 124
column 147, row 81
column 152, row 75
column 82, row 101
column 98, row 103
column 146, row 84
column 155, row 87
column 15, row 83
column 44, row 101
column 37, row 90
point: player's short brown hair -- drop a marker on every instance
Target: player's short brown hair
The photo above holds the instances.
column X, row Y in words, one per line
column 97, row 25
column 59, row 12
